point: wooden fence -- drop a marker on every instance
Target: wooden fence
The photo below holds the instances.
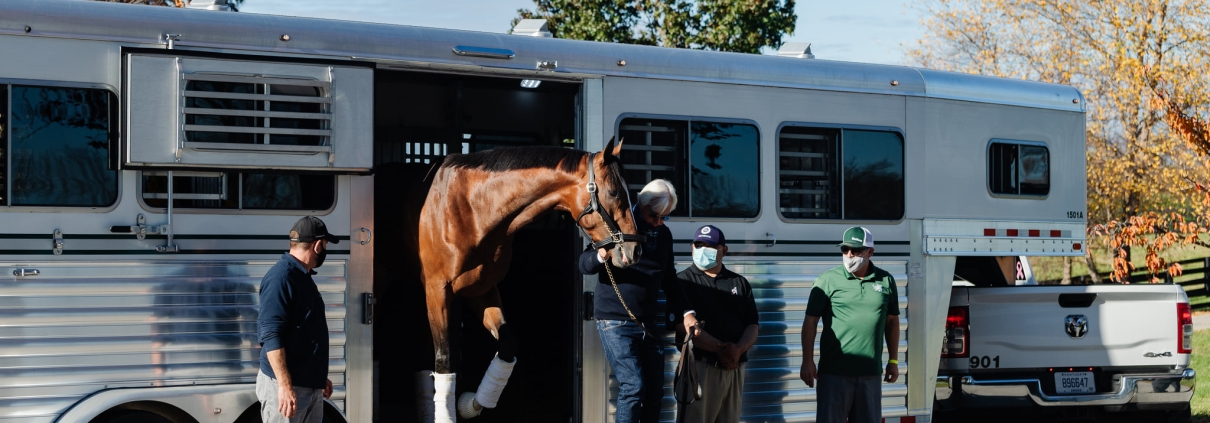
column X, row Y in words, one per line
column 1194, row 278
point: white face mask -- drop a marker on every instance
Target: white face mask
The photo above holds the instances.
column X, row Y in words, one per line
column 854, row 263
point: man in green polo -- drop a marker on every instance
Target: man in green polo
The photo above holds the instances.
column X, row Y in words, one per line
column 859, row 305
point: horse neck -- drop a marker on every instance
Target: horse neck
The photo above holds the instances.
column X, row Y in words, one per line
column 539, row 191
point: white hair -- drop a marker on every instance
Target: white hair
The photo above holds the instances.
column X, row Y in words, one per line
column 658, row 196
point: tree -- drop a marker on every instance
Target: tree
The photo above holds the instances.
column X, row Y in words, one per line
column 1119, row 53
column 743, row 26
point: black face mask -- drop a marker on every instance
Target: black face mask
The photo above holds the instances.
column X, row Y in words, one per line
column 319, row 261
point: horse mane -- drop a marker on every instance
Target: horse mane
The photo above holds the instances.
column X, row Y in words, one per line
column 517, row 158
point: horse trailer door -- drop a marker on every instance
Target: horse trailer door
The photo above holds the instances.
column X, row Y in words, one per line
column 184, row 111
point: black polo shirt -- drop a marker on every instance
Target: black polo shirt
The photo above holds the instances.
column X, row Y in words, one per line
column 725, row 303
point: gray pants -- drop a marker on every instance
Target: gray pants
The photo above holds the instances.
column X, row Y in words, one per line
column 857, row 399
column 722, row 395
column 310, row 402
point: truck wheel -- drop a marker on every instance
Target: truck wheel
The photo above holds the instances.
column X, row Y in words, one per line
column 1182, row 416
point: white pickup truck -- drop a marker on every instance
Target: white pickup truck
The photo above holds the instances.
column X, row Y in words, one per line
column 1066, row 351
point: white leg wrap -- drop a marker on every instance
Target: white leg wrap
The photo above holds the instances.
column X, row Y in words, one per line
column 493, row 382
column 424, row 396
column 467, row 407
column 443, row 397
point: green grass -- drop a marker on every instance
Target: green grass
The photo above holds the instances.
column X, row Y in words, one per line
column 1200, row 361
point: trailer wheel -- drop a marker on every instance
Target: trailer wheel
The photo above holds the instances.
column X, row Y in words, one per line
column 131, row 416
column 252, row 415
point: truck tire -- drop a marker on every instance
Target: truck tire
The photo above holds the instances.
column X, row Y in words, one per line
column 1181, row 416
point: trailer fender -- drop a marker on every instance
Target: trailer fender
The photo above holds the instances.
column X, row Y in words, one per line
column 207, row 404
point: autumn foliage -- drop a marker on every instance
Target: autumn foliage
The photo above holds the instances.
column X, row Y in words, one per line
column 1141, row 65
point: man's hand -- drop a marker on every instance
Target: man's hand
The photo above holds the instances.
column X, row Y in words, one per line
column 287, row 402
column 808, row 373
column 729, row 356
column 892, row 373
column 328, row 390
column 691, row 324
column 602, row 254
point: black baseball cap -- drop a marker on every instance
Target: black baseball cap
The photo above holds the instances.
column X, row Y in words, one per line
column 311, row 229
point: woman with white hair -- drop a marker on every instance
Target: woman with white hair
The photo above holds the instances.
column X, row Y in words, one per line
column 637, row 360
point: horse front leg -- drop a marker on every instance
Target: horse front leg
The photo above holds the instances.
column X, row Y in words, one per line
column 488, row 307
column 439, row 297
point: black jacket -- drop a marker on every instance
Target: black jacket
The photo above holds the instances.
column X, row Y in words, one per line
column 638, row 283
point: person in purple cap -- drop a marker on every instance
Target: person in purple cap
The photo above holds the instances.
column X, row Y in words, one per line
column 722, row 302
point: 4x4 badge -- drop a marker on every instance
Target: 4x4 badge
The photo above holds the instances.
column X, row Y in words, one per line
column 1077, row 325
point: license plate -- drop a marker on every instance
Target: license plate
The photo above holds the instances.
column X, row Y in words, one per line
column 1074, row 383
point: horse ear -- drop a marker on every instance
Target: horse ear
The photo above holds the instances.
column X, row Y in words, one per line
column 614, row 149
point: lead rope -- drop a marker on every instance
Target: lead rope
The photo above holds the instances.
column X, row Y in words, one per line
column 630, row 313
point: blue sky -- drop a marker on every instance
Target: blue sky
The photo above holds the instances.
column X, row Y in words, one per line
column 870, row 31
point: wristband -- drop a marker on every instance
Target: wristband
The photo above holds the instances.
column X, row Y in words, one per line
column 895, row 362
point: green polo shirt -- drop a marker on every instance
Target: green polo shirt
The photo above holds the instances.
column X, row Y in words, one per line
column 854, row 312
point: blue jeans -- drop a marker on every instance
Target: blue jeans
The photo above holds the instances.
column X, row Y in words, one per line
column 638, row 363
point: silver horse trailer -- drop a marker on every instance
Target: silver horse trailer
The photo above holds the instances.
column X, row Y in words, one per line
column 152, row 159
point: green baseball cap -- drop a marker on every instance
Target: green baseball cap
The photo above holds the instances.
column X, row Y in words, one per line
column 857, row 237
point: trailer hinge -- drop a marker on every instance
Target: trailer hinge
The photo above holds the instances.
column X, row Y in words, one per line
column 171, row 39
column 58, row 243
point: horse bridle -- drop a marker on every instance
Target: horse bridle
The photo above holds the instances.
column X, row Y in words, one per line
column 594, row 206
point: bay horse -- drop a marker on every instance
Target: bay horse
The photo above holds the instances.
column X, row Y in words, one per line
column 475, row 205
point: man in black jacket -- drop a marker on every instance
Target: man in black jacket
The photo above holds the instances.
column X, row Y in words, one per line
column 637, row 358
column 722, row 300
column 293, row 379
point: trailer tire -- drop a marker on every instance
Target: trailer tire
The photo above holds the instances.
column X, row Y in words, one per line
column 252, row 414
column 131, row 416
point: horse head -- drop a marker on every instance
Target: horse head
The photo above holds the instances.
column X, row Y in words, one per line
column 612, row 225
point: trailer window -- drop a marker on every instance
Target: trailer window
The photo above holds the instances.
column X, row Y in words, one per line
column 272, row 112
column 1016, row 168
column 54, row 147
column 838, row 173
column 3, row 144
column 239, row 191
column 715, row 166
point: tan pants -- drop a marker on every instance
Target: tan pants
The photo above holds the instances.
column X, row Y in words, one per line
column 722, row 396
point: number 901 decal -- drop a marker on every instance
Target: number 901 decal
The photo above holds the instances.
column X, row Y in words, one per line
column 985, row 362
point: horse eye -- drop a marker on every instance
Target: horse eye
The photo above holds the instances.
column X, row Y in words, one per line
column 613, row 193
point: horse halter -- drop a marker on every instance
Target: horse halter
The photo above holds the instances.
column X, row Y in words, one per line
column 594, row 206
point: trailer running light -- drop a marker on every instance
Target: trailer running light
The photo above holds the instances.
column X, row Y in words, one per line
column 957, row 334
column 1031, row 233
column 530, row 83
column 1184, row 328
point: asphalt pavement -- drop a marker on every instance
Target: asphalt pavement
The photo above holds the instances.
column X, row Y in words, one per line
column 1201, row 321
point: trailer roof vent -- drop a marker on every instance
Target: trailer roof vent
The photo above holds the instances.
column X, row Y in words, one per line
column 533, row 28
column 796, row 49
column 219, row 5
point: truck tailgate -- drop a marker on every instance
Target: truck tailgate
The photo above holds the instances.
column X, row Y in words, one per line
column 1027, row 327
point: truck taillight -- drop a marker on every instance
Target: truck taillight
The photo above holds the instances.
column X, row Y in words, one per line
column 957, row 334
column 1184, row 328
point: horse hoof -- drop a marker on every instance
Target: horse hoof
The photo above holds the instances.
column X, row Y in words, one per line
column 467, row 407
